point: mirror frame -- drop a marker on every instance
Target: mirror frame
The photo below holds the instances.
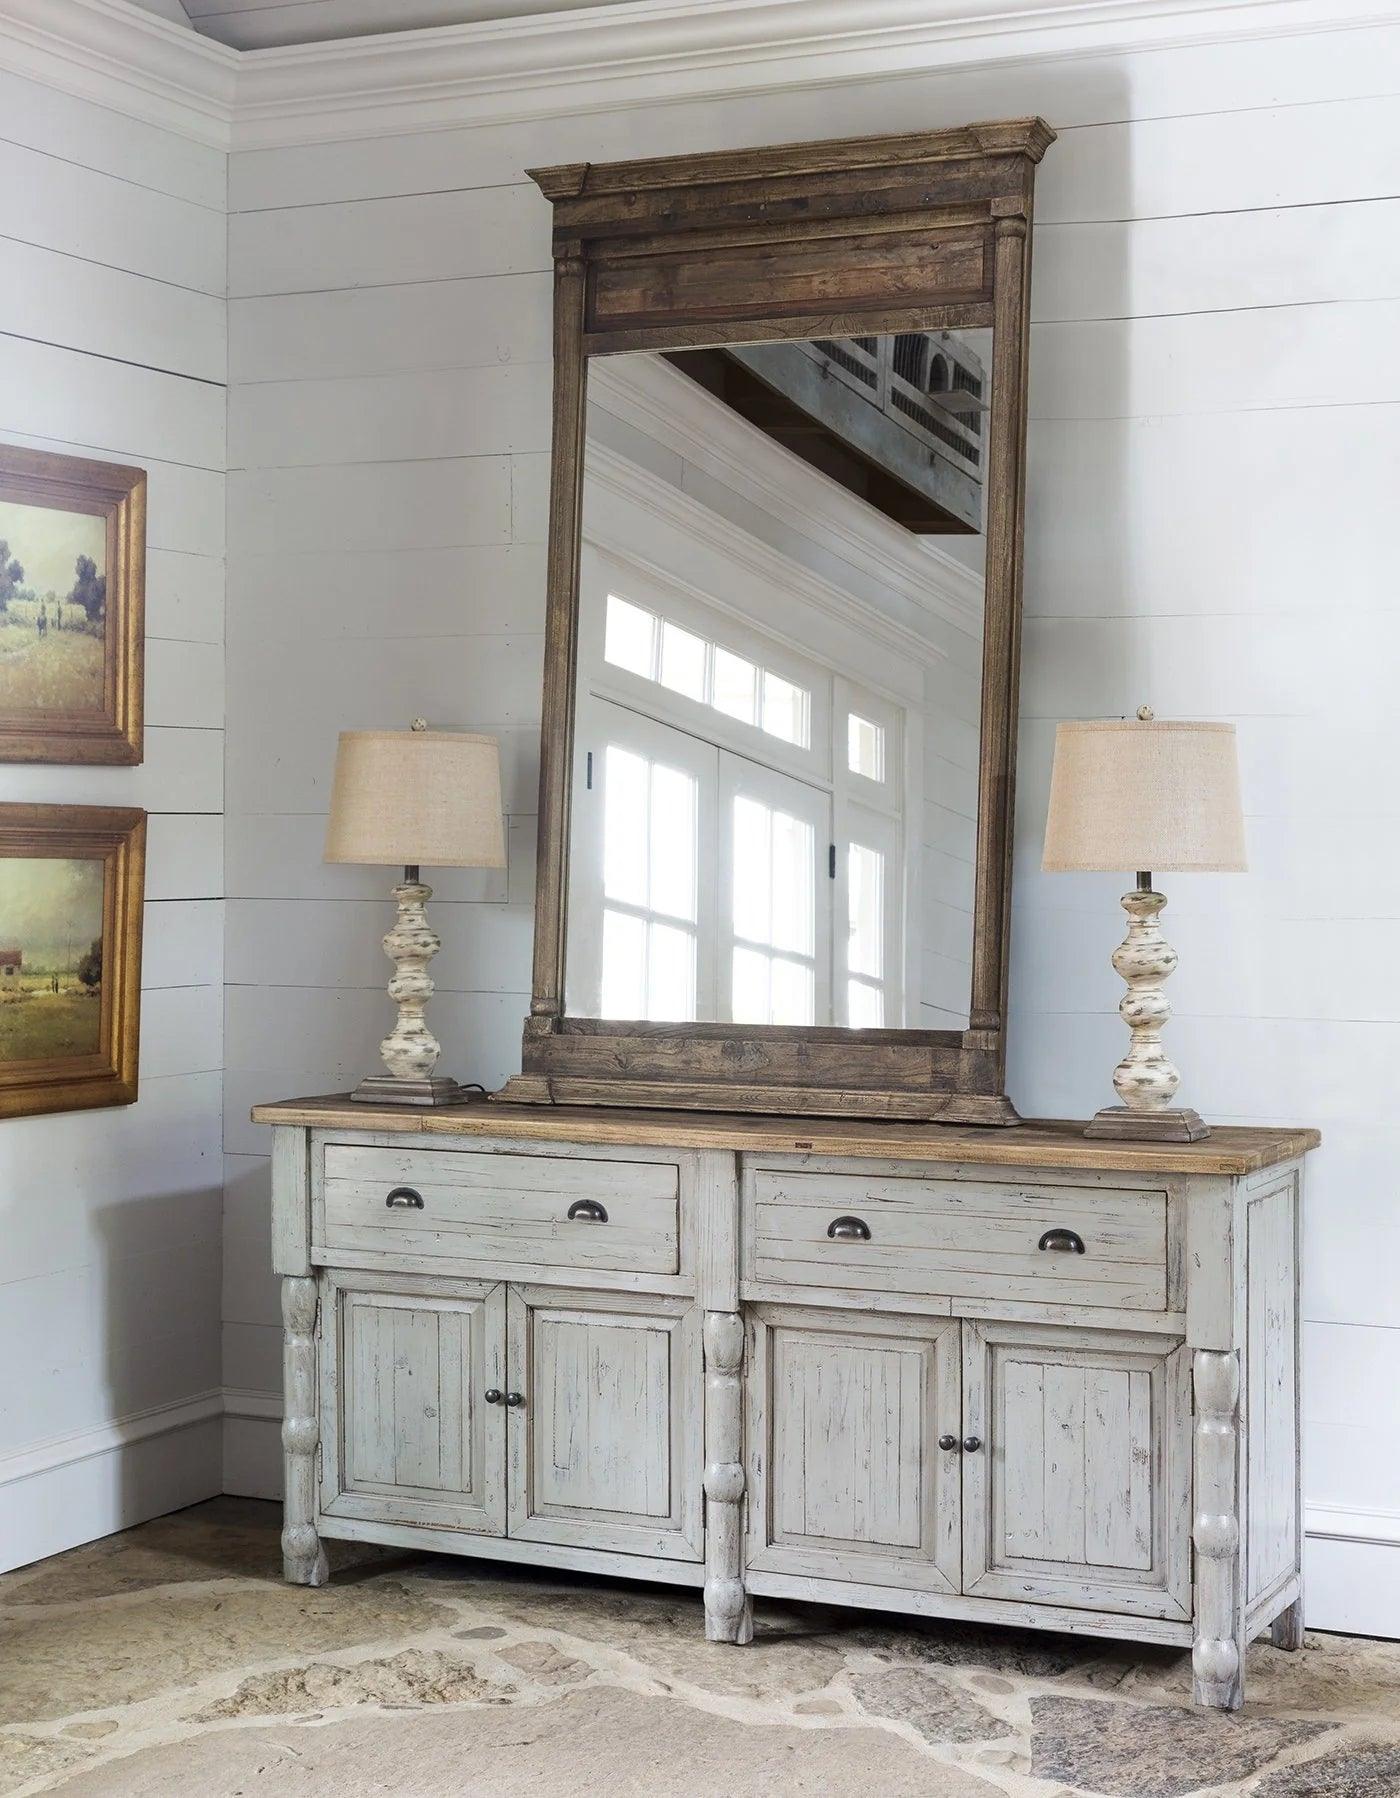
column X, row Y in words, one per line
column 856, row 237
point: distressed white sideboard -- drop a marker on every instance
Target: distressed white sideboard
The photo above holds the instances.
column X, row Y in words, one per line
column 1005, row 1374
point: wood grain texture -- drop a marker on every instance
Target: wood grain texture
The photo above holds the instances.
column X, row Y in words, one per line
column 1040, row 1143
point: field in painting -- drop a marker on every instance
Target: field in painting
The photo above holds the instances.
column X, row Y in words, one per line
column 53, row 609
column 50, row 957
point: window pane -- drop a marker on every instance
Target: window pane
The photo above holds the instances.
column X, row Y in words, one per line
column 736, row 686
column 672, row 856
column 865, row 879
column 750, row 986
column 785, row 709
column 865, row 1006
column 670, row 975
column 794, row 920
column 625, row 829
column 624, row 965
column 865, row 747
column 753, row 891
column 793, row 993
column 629, row 637
column 683, row 662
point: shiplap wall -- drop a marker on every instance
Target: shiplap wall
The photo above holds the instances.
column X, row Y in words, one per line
column 1213, row 449
column 112, row 344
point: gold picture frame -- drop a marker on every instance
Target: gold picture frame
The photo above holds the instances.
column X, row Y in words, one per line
column 72, row 609
column 72, row 885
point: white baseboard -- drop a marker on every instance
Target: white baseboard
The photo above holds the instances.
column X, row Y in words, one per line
column 78, row 1487
column 253, row 1444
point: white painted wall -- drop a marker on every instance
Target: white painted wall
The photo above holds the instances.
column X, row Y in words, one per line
column 112, row 344
column 1213, row 447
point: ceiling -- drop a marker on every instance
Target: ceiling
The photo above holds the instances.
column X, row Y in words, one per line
column 260, row 24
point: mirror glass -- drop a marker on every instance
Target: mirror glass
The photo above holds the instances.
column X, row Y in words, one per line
column 776, row 744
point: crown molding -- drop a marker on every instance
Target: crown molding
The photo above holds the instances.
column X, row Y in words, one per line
column 650, row 52
column 609, row 58
column 119, row 56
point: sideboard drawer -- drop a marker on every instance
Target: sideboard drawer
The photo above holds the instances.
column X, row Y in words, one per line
column 512, row 1211
column 960, row 1238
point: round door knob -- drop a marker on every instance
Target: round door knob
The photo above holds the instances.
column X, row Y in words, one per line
column 514, row 1399
column 971, row 1444
column 848, row 1229
column 493, row 1395
column 947, row 1443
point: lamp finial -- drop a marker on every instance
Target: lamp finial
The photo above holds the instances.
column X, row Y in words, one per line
column 1144, row 712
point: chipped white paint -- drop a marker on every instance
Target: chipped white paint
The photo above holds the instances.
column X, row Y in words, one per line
column 940, row 1417
column 303, row 1558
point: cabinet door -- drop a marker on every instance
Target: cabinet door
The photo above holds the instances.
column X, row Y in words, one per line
column 606, row 1448
column 845, row 1476
column 407, row 1435
column 1080, row 1491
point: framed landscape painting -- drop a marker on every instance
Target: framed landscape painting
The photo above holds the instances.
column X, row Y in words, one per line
column 72, row 608
column 72, row 882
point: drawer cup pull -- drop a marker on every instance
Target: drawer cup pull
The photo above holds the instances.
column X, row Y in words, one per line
column 587, row 1211
column 1066, row 1241
column 848, row 1229
column 404, row 1198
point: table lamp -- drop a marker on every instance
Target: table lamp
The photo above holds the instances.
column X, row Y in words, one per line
column 405, row 798
column 1126, row 796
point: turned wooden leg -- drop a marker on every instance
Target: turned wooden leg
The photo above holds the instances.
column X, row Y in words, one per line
column 303, row 1558
column 1217, row 1658
column 1286, row 1630
column 728, row 1612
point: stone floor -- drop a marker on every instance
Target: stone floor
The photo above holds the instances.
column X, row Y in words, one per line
column 171, row 1661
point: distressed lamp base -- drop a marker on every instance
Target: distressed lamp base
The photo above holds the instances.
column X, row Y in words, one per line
column 410, row 1050
column 1146, row 1079
column 1116, row 1123
column 385, row 1089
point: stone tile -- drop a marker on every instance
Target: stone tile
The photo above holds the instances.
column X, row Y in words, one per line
column 227, row 1538
column 1370, row 1770
column 939, row 1710
column 101, row 1655
column 543, row 1663
column 583, row 1745
column 664, row 1631
column 26, row 1758
column 1030, row 1654
column 1153, row 1751
column 415, row 1677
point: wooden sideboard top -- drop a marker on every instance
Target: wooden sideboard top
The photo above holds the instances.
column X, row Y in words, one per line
column 1041, row 1142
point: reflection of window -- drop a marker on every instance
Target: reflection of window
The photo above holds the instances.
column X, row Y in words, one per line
column 659, row 650
column 774, row 916
column 649, row 889
column 865, row 935
column 865, row 747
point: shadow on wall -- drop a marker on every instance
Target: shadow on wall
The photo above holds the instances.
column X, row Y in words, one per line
column 157, row 1341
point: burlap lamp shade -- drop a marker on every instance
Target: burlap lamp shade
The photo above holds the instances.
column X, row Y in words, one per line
column 429, row 798
column 1127, row 794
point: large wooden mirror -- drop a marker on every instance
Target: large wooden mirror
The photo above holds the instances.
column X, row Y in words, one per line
column 782, row 649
